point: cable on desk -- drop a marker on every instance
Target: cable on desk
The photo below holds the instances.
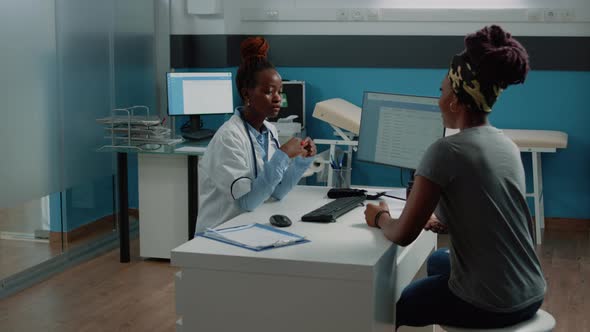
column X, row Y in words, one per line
column 383, row 193
column 395, row 197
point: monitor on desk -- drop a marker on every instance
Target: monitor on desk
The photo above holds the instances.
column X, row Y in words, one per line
column 196, row 94
column 397, row 129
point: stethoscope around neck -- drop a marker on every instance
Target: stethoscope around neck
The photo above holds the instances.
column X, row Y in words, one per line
column 239, row 109
column 272, row 136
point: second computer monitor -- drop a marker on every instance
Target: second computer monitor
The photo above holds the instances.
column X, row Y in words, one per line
column 397, row 129
column 199, row 93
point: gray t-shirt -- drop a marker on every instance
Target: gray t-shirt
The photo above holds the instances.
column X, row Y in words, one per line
column 493, row 261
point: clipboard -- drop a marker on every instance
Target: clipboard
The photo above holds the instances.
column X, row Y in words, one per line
column 256, row 237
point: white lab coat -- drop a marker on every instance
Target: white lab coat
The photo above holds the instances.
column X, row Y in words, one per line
column 228, row 158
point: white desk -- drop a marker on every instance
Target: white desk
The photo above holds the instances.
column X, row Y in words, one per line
column 346, row 279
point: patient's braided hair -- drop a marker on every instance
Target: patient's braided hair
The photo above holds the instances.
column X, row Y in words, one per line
column 253, row 52
column 492, row 60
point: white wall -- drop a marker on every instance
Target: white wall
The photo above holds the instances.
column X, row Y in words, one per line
column 385, row 17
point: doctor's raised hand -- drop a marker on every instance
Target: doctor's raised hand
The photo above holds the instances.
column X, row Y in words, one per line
column 293, row 148
column 310, row 148
column 245, row 165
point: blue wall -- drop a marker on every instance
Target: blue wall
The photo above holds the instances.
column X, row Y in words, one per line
column 549, row 100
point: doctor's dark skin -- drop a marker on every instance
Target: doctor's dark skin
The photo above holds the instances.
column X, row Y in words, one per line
column 264, row 101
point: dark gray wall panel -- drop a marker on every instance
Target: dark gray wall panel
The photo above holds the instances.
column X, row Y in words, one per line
column 558, row 53
column 192, row 51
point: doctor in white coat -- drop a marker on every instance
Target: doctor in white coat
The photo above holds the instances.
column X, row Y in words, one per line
column 244, row 164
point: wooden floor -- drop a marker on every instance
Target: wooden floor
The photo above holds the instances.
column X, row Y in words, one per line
column 565, row 257
column 99, row 295
column 104, row 295
column 18, row 255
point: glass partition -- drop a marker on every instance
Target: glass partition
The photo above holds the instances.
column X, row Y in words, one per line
column 64, row 64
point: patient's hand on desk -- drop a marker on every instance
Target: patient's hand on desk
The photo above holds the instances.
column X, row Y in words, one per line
column 371, row 211
column 435, row 225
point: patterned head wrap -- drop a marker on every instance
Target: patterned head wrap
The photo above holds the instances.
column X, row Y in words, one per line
column 481, row 96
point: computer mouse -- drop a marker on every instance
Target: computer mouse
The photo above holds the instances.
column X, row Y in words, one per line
column 280, row 220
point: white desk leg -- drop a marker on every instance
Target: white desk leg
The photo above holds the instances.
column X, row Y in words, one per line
column 538, row 195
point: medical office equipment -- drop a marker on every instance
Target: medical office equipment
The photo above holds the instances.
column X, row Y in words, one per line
column 288, row 128
column 280, row 220
column 396, row 129
column 254, row 237
column 344, row 118
column 341, row 177
column 196, row 94
column 331, row 211
column 292, row 102
column 134, row 128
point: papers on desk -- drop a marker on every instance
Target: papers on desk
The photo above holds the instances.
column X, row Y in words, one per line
column 255, row 237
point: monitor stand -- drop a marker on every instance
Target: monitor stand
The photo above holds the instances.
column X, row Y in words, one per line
column 195, row 132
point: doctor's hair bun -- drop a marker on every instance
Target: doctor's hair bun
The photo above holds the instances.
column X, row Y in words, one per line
column 498, row 58
column 253, row 47
column 253, row 51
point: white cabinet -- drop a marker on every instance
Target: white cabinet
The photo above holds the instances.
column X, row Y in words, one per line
column 163, row 203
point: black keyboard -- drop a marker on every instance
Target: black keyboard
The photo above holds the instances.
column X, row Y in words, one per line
column 329, row 212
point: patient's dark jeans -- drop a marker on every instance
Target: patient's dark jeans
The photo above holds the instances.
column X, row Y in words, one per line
column 429, row 301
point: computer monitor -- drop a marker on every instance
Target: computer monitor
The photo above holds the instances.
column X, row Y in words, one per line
column 397, row 129
column 197, row 94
